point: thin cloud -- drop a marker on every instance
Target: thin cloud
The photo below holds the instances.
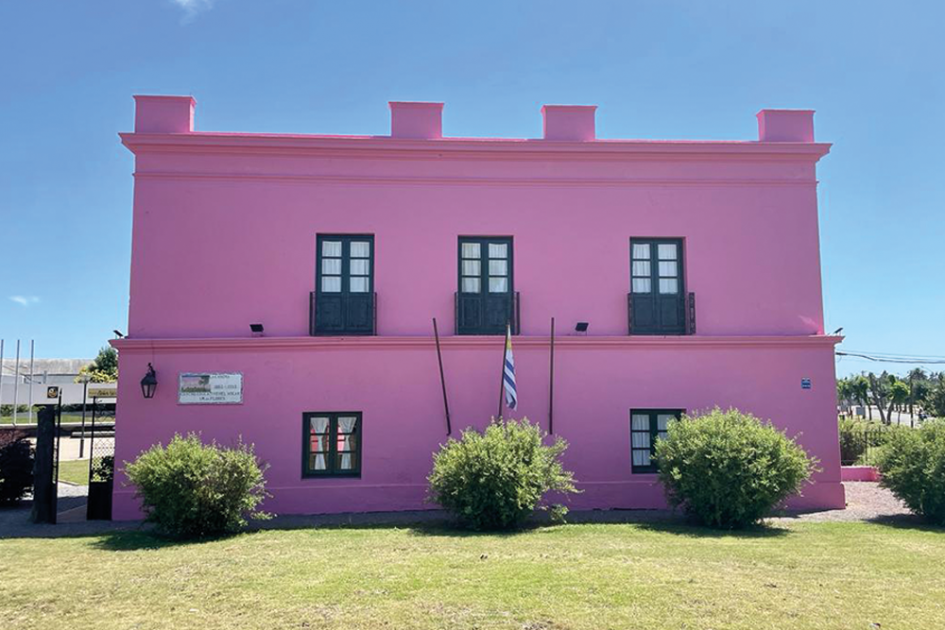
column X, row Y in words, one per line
column 25, row 300
column 193, row 7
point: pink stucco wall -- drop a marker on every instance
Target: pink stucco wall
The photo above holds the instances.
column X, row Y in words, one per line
column 224, row 235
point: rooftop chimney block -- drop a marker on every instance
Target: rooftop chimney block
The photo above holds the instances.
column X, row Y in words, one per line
column 421, row 121
column 786, row 125
column 164, row 114
column 569, row 122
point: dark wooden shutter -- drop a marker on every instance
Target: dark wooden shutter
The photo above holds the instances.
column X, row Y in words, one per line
column 657, row 290
column 344, row 285
column 484, row 300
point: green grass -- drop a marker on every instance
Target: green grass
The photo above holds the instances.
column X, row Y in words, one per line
column 76, row 471
column 73, row 417
column 809, row 576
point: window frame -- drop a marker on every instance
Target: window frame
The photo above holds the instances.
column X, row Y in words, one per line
column 679, row 296
column 485, row 295
column 331, row 470
column 653, row 432
column 344, row 296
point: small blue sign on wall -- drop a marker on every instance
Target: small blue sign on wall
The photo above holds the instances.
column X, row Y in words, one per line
column 805, row 383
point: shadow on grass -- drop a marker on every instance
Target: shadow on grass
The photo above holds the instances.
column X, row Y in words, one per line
column 693, row 530
column 906, row 521
column 144, row 540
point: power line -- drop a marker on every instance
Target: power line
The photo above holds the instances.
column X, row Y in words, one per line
column 893, row 358
column 897, row 355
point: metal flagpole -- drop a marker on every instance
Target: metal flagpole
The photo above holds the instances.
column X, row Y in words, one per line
column 30, row 416
column 505, row 345
column 1, row 371
column 85, row 395
column 439, row 357
column 551, row 383
column 16, row 381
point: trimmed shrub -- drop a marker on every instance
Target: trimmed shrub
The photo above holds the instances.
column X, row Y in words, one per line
column 912, row 464
column 860, row 439
column 497, row 479
column 16, row 466
column 728, row 469
column 194, row 490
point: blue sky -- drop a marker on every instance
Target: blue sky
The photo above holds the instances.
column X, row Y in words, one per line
column 657, row 69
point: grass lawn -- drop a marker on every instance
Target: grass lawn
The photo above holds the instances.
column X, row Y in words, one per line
column 807, row 576
column 75, row 471
column 67, row 417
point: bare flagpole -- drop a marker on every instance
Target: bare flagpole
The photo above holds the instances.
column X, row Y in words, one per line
column 1, row 370
column 439, row 357
column 16, row 382
column 30, row 418
column 505, row 345
column 551, row 383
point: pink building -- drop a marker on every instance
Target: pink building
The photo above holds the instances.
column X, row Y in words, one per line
column 695, row 265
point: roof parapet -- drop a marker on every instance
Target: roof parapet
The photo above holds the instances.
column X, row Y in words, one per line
column 786, row 125
column 419, row 121
column 164, row 114
column 569, row 122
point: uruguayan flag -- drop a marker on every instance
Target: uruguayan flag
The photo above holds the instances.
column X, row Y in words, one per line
column 508, row 375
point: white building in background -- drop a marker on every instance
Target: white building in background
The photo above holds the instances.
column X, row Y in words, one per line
column 45, row 371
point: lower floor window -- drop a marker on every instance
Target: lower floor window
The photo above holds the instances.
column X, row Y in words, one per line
column 647, row 426
column 331, row 444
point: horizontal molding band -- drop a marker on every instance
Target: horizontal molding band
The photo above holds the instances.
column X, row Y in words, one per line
column 471, row 181
column 259, row 344
column 488, row 148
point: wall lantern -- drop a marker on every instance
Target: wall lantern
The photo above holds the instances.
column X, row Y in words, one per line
column 149, row 382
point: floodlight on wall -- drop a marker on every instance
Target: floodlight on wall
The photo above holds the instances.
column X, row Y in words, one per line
column 581, row 327
column 257, row 329
column 149, row 382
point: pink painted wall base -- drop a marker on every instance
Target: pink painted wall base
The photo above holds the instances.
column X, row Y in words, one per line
column 859, row 473
column 394, row 382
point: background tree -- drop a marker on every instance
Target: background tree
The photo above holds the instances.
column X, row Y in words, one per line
column 104, row 369
column 860, row 388
column 882, row 393
column 898, row 395
column 917, row 379
column 934, row 401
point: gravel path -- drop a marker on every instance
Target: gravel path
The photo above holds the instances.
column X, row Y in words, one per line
column 866, row 502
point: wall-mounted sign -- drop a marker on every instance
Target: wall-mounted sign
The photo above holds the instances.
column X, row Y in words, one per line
column 805, row 383
column 103, row 392
column 210, row 389
column 52, row 392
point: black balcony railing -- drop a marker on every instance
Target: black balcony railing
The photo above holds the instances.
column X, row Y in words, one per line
column 486, row 313
column 655, row 316
column 342, row 314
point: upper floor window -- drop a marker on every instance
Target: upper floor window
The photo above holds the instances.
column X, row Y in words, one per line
column 331, row 444
column 657, row 290
column 647, row 426
column 344, row 301
column 485, row 302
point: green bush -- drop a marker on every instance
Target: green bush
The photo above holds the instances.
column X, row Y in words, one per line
column 16, row 466
column 727, row 469
column 497, row 479
column 860, row 439
column 194, row 490
column 912, row 464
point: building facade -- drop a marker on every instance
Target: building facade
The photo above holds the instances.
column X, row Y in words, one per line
column 695, row 266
